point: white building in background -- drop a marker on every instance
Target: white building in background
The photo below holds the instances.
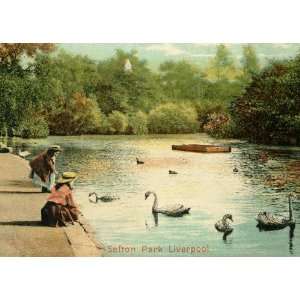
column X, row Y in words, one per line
column 127, row 66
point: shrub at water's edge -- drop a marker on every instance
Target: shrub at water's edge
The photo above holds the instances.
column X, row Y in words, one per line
column 220, row 125
column 206, row 108
column 138, row 123
column 117, row 123
column 78, row 115
column 173, row 118
column 33, row 128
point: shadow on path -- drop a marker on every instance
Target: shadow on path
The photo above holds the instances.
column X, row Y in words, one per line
column 20, row 192
column 22, row 223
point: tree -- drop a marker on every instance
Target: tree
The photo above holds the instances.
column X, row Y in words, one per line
column 250, row 62
column 222, row 65
column 182, row 81
column 68, row 74
column 126, row 91
column 79, row 115
column 269, row 110
column 20, row 97
column 12, row 54
column 19, row 89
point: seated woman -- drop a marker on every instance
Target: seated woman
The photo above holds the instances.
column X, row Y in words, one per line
column 60, row 209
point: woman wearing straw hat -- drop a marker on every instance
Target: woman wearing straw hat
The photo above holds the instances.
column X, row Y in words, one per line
column 60, row 208
column 43, row 170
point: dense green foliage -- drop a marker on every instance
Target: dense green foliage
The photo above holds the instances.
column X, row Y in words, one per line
column 173, row 118
column 64, row 94
column 269, row 110
column 33, row 127
column 182, row 80
column 78, row 115
column 220, row 125
column 250, row 62
column 223, row 66
column 117, row 122
column 138, row 123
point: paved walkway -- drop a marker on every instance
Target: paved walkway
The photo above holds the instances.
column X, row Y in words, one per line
column 21, row 233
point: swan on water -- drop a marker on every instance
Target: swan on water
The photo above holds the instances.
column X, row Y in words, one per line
column 224, row 225
column 269, row 221
column 23, row 154
column 102, row 198
column 175, row 210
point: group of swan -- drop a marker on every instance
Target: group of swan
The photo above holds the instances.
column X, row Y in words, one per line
column 266, row 220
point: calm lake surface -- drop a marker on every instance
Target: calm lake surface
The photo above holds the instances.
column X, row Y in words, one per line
column 205, row 182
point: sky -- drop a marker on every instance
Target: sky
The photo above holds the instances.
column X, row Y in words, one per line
column 196, row 53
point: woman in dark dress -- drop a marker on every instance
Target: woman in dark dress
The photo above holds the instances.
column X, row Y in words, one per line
column 60, row 209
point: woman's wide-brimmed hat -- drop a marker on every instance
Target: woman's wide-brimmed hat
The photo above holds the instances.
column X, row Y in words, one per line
column 55, row 148
column 67, row 177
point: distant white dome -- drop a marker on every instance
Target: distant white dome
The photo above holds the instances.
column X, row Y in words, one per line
column 127, row 66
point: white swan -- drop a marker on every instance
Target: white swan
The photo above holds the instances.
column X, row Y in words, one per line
column 269, row 221
column 175, row 210
column 223, row 225
column 102, row 198
column 23, row 154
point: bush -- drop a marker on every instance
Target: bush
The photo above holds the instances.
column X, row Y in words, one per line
column 33, row 128
column 117, row 122
column 138, row 123
column 267, row 111
column 206, row 108
column 3, row 130
column 173, row 118
column 220, row 125
column 78, row 115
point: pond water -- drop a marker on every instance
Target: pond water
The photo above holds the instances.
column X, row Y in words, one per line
column 205, row 182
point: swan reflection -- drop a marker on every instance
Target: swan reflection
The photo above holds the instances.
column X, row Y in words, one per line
column 155, row 219
column 291, row 238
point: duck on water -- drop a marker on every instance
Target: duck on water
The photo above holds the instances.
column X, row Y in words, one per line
column 138, row 161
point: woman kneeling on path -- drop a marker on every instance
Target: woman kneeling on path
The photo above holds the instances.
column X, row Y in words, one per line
column 60, row 208
column 43, row 168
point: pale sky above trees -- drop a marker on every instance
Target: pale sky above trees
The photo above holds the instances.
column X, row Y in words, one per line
column 196, row 53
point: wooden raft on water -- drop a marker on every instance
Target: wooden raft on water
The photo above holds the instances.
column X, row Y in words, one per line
column 202, row 148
